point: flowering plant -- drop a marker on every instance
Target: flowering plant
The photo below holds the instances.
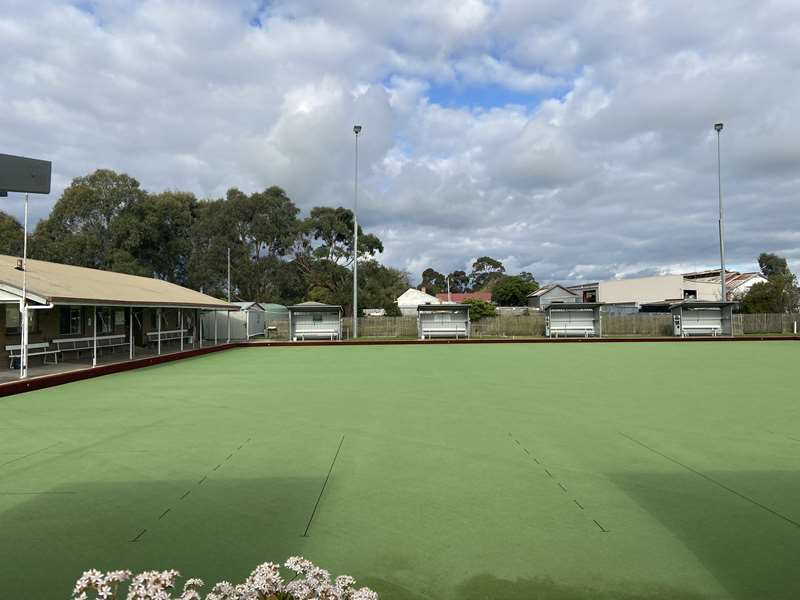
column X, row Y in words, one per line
column 264, row 583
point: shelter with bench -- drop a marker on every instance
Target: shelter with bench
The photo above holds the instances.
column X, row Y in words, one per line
column 698, row 317
column 76, row 313
column 576, row 319
column 443, row 321
column 315, row 321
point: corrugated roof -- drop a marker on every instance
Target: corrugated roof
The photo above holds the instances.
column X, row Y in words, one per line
column 67, row 284
column 547, row 288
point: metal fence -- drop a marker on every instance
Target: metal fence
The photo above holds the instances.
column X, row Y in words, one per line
column 532, row 326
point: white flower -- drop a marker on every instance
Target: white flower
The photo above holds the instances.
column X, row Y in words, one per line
column 345, row 583
column 364, row 594
column 299, row 565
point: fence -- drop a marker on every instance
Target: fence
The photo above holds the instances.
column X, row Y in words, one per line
column 532, row 325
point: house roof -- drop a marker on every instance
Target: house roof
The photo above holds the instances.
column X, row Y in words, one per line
column 413, row 297
column 733, row 279
column 314, row 307
column 55, row 283
column 461, row 296
column 248, row 305
column 543, row 290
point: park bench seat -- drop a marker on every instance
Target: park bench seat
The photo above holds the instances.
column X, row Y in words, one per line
column 87, row 343
column 169, row 336
column 36, row 349
column 324, row 331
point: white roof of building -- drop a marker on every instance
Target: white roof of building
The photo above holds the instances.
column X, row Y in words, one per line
column 414, row 297
column 248, row 305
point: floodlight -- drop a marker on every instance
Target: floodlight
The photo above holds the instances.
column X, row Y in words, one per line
column 718, row 127
column 357, row 129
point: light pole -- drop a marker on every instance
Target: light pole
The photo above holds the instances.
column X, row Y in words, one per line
column 356, row 130
column 723, row 296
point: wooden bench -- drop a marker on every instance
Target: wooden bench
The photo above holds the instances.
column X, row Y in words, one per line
column 37, row 349
column 77, row 345
column 169, row 336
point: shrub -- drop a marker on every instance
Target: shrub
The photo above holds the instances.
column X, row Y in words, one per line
column 264, row 583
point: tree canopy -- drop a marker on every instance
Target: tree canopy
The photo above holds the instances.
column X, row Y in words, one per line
column 513, row 290
column 106, row 221
column 779, row 293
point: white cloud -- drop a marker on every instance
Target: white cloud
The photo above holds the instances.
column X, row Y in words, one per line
column 608, row 168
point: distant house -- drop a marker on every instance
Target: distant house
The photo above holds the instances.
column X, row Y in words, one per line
column 551, row 294
column 736, row 284
column 630, row 294
column 409, row 300
column 374, row 312
column 458, row 298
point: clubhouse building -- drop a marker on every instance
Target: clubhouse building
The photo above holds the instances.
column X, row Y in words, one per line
column 81, row 317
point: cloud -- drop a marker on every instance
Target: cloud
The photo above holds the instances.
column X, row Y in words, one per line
column 597, row 157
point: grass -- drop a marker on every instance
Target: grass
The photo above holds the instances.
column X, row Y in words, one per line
column 612, row 471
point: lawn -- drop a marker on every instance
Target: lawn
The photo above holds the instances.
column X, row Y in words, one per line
column 566, row 471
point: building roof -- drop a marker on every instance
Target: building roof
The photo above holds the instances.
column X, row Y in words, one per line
column 314, row 307
column 733, row 279
column 413, row 297
column 702, row 304
column 573, row 305
column 583, row 286
column 49, row 282
column 707, row 273
column 543, row 290
column 461, row 296
column 248, row 305
column 443, row 307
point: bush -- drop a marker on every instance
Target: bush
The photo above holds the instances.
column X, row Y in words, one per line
column 479, row 309
column 309, row 582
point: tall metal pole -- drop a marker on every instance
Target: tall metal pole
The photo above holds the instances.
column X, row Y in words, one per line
column 229, row 295
column 356, row 130
column 23, row 355
column 723, row 295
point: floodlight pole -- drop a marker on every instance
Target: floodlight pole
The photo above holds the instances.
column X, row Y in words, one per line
column 723, row 295
column 23, row 355
column 356, row 130
column 228, row 312
column 447, row 279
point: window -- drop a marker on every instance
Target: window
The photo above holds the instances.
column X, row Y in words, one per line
column 105, row 324
column 69, row 322
column 13, row 320
column 119, row 317
column 690, row 294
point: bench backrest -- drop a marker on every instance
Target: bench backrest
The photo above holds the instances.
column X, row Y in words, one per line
column 36, row 346
column 89, row 339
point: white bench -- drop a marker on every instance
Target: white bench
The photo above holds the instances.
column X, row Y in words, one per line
column 571, row 329
column 37, row 349
column 431, row 330
column 304, row 331
column 698, row 328
column 169, row 336
column 76, row 345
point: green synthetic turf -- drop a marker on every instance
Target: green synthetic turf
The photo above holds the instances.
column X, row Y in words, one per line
column 564, row 471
